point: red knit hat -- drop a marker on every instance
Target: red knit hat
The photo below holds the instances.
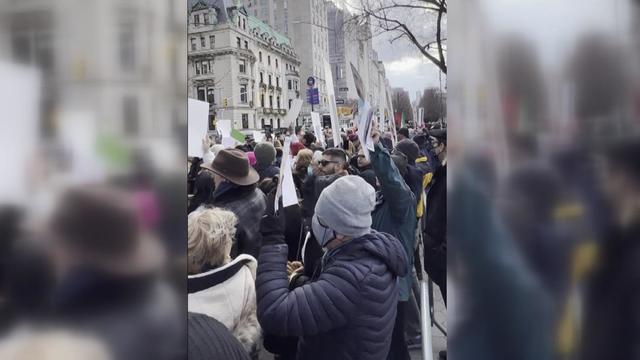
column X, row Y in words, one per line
column 295, row 147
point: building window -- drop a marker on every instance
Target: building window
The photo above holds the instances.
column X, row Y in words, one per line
column 261, row 78
column 290, row 101
column 278, row 103
column 128, row 46
column 271, row 101
column 243, row 66
column 210, row 97
column 206, row 19
column 271, row 122
column 193, row 44
column 239, row 43
column 289, row 85
column 276, row 63
column 246, row 44
column 244, row 24
column 197, row 67
column 261, row 100
column 269, row 60
column 260, row 56
column 262, row 123
column 278, row 123
column 201, row 93
column 269, row 80
column 205, row 67
column 243, row 93
column 278, row 81
column 196, row 19
column 130, row 115
column 202, row 43
column 212, row 41
column 245, row 121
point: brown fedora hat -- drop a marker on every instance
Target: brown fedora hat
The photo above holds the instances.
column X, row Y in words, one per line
column 233, row 165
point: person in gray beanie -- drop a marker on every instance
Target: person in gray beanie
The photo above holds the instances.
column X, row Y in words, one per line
column 346, row 310
column 265, row 157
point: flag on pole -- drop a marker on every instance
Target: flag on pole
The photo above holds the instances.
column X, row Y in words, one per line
column 402, row 121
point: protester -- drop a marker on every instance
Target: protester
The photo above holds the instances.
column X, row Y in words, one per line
column 414, row 175
column 107, row 270
column 362, row 163
column 354, row 144
column 295, row 148
column 236, row 190
column 315, row 162
column 347, row 311
column 308, row 139
column 395, row 214
column 251, row 156
column 403, row 133
column 435, row 234
column 302, row 168
column 332, row 166
column 265, row 158
column 217, row 286
column 612, row 326
column 203, row 189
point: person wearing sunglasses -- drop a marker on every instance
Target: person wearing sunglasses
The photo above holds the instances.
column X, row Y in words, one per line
column 334, row 161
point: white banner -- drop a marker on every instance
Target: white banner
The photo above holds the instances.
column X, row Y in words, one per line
column 317, row 128
column 197, row 126
column 365, row 126
column 286, row 188
column 333, row 109
column 258, row 136
column 292, row 115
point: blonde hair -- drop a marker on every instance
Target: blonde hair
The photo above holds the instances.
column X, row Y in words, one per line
column 211, row 232
column 304, row 158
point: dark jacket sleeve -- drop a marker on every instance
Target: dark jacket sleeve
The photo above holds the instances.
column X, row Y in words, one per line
column 314, row 308
column 395, row 190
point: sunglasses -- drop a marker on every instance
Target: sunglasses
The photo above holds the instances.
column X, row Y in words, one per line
column 326, row 162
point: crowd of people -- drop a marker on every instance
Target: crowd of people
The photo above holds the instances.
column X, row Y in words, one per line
column 332, row 276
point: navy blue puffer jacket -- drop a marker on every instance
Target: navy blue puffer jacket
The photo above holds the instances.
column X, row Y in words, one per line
column 348, row 312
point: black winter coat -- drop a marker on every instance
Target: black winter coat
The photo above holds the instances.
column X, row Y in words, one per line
column 348, row 312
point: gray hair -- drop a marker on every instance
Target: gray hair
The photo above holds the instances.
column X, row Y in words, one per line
column 210, row 236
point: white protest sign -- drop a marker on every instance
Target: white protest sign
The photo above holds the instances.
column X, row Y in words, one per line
column 258, row 136
column 292, row 115
column 365, row 126
column 228, row 142
column 392, row 120
column 224, row 127
column 289, row 195
column 19, row 101
column 198, row 120
column 333, row 110
column 317, row 128
column 78, row 133
column 285, row 160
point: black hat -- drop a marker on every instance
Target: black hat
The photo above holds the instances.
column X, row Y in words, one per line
column 210, row 339
column 404, row 132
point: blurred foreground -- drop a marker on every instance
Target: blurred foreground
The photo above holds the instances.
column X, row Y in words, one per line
column 92, row 193
column 544, row 187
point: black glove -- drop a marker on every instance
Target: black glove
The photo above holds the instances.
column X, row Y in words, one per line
column 272, row 224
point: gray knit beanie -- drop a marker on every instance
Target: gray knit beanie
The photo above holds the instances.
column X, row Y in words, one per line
column 265, row 153
column 345, row 206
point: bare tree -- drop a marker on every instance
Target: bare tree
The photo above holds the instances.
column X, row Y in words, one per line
column 405, row 19
column 434, row 103
column 402, row 103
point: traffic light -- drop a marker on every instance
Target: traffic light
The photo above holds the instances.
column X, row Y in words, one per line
column 225, row 102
